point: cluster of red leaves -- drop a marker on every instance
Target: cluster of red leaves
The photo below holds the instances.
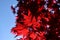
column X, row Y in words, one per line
column 32, row 20
column 24, row 29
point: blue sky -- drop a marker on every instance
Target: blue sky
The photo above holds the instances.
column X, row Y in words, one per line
column 7, row 19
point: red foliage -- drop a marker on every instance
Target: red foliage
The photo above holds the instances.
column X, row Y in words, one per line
column 32, row 20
